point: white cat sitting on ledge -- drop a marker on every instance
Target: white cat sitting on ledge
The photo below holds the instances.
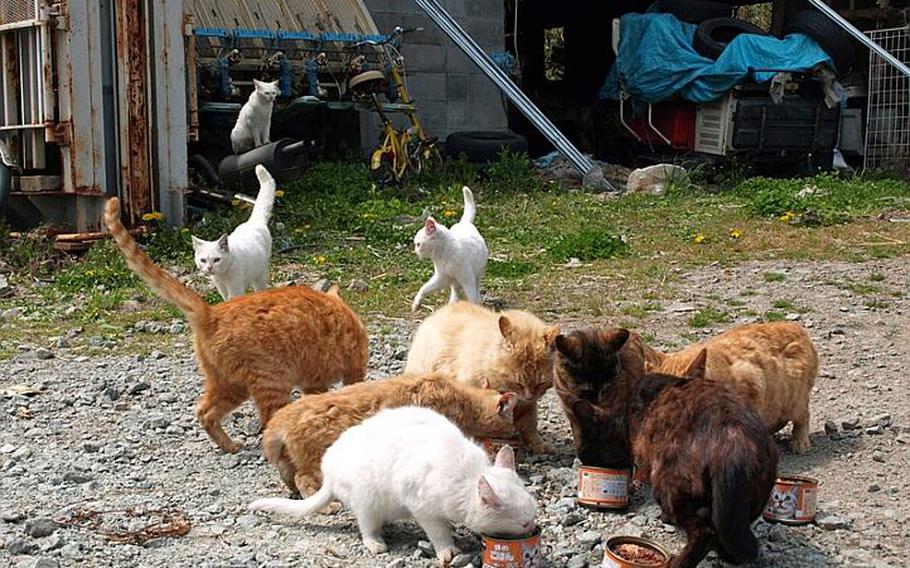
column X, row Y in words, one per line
column 237, row 261
column 254, row 123
column 412, row 462
column 459, row 255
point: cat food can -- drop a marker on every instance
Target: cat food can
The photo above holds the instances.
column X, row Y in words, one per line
column 603, row 488
column 634, row 552
column 512, row 552
column 493, row 445
column 793, row 500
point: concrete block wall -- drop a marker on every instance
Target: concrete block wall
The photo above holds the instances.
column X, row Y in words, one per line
column 450, row 91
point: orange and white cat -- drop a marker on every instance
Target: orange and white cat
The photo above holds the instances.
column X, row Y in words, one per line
column 512, row 351
column 773, row 364
column 260, row 345
column 298, row 435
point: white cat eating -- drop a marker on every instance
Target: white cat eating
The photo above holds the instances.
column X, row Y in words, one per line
column 459, row 255
column 254, row 123
column 237, row 261
column 411, row 462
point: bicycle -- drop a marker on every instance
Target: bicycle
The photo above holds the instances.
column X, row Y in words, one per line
column 401, row 151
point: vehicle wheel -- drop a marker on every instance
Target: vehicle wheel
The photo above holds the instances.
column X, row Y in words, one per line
column 712, row 36
column 484, row 145
column 692, row 11
column 837, row 43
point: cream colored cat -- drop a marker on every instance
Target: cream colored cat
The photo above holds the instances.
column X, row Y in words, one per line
column 773, row 364
column 512, row 351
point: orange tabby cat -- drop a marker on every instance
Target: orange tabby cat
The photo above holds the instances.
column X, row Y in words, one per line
column 260, row 345
column 512, row 351
column 773, row 364
column 299, row 434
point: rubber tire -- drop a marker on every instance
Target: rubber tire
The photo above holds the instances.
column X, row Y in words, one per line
column 692, row 11
column 712, row 36
column 482, row 146
column 836, row 42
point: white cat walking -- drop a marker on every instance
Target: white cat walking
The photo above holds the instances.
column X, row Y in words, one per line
column 413, row 463
column 237, row 261
column 254, row 123
column 459, row 255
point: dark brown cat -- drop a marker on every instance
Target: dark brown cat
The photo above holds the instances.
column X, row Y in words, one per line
column 708, row 457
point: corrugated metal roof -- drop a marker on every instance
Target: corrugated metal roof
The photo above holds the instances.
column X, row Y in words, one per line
column 350, row 16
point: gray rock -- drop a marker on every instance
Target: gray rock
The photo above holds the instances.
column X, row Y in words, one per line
column 572, row 518
column 322, row 285
column 156, row 355
column 358, row 285
column 878, row 456
column 11, row 516
column 12, row 313
column 883, row 420
column 830, row 427
column 157, row 423
column 461, row 560
column 54, row 542
column 44, row 353
column 20, row 546
column 426, row 549
column 832, row 522
column 850, row 424
column 589, row 539
column 875, row 430
column 46, row 563
column 578, row 561
column 874, row 488
column 397, row 563
column 63, row 343
column 5, row 288
column 247, row 521
column 40, row 527
column 176, row 328
column 78, row 477
column 903, row 438
column 139, row 387
column 792, row 316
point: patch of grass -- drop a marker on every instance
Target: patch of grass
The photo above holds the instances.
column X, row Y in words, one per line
column 788, row 306
column 708, row 316
column 511, row 269
column 774, row 315
column 859, row 288
column 876, row 304
column 774, row 276
column 641, row 310
column 588, row 244
column 102, row 269
column 877, row 277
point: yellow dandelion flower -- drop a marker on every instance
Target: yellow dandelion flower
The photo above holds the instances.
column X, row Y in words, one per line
column 735, row 233
column 279, row 193
column 369, row 215
column 788, row 216
column 319, row 259
column 299, row 230
column 153, row 216
column 449, row 213
column 699, row 238
column 235, row 202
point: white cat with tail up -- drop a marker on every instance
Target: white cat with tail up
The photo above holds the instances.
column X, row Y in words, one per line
column 411, row 462
column 237, row 261
column 459, row 255
column 254, row 123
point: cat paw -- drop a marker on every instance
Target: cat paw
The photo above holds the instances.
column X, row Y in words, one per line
column 331, row 508
column 800, row 446
column 375, row 546
column 414, row 307
column 231, row 447
column 447, row 554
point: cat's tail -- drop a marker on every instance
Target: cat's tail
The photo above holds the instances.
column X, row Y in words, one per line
column 732, row 519
column 168, row 287
column 262, row 210
column 470, row 208
column 296, row 507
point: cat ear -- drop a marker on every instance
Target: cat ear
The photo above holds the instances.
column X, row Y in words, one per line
column 570, row 346
column 488, row 497
column 258, row 84
column 197, row 242
column 550, row 335
column 223, row 243
column 506, row 328
column 696, row 369
column 507, row 402
column 614, row 339
column 584, row 410
column 505, row 458
column 485, row 383
column 430, row 226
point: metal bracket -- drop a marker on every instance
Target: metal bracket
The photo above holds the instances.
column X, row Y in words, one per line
column 58, row 13
column 63, row 133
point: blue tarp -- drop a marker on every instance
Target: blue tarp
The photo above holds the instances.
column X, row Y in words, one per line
column 656, row 60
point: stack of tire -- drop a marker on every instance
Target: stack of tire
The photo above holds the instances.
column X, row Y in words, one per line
column 716, row 29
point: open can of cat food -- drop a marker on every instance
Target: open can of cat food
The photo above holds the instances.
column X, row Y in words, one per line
column 603, row 487
column 793, row 500
column 512, row 552
column 634, row 552
column 493, row 445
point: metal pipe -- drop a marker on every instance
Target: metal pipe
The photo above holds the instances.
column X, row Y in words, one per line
column 464, row 42
column 863, row 38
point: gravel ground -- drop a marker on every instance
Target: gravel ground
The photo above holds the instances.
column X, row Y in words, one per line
column 112, row 433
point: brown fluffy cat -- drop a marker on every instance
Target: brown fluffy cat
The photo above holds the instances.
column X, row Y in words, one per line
column 510, row 352
column 260, row 345
column 299, row 434
column 773, row 364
